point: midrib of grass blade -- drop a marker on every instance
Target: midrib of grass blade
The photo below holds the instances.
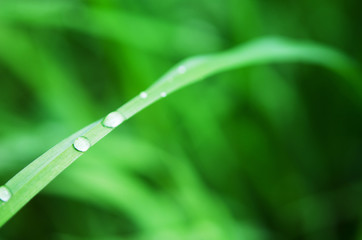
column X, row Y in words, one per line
column 27, row 183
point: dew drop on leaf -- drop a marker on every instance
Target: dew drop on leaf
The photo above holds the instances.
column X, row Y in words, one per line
column 113, row 119
column 143, row 95
column 5, row 194
column 163, row 94
column 181, row 69
column 81, row 144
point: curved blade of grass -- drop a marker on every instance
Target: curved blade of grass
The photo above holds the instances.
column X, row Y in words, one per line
column 33, row 178
column 113, row 24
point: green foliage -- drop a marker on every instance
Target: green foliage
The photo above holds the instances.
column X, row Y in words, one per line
column 45, row 168
column 265, row 149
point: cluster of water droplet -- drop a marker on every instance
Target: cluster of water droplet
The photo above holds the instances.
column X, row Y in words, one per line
column 114, row 119
column 179, row 71
column 82, row 144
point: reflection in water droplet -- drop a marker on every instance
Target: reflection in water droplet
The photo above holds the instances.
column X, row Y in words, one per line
column 143, row 95
column 5, row 194
column 113, row 119
column 163, row 94
column 81, row 144
column 181, row 69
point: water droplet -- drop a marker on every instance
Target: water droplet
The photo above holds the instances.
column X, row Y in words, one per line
column 5, row 194
column 113, row 120
column 81, row 144
column 181, row 69
column 163, row 94
column 143, row 95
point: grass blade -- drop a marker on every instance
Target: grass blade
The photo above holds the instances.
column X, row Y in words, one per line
column 32, row 179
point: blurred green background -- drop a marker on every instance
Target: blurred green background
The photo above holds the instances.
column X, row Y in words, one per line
column 265, row 152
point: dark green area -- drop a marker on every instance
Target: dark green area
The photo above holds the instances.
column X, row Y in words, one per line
column 266, row 152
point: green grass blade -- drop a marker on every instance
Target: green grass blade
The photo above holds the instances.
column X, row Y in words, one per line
column 32, row 179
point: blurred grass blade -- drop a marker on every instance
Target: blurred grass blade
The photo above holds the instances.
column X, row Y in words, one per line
column 51, row 80
column 114, row 24
column 27, row 183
